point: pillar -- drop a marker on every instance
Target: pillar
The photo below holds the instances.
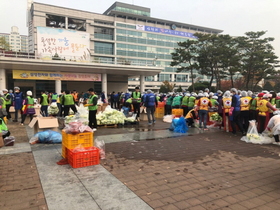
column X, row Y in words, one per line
column 142, row 83
column 156, row 78
column 104, row 84
column 3, row 79
column 58, row 86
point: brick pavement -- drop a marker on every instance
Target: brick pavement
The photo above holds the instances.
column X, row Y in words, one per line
column 20, row 186
column 206, row 171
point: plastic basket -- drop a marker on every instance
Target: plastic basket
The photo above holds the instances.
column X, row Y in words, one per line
column 161, row 104
column 159, row 115
column 159, row 110
column 177, row 112
column 71, row 141
column 85, row 158
column 63, row 151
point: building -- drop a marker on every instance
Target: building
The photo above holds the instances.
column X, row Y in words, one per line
column 17, row 42
column 123, row 34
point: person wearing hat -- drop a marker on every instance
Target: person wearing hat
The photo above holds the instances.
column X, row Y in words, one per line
column 150, row 102
column 28, row 107
column 8, row 100
column 274, row 126
column 18, row 99
column 3, row 112
column 92, row 107
column 264, row 107
column 203, row 106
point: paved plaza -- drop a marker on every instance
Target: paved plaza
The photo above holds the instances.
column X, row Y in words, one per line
column 146, row 167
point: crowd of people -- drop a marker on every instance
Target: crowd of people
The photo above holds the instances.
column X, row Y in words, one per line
column 235, row 107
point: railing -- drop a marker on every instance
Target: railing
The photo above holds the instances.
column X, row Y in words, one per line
column 50, row 57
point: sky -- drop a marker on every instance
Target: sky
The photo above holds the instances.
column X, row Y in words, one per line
column 234, row 17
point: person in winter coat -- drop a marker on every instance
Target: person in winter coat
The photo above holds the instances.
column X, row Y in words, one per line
column 18, row 99
column 28, row 107
column 234, row 112
column 9, row 100
column 44, row 104
column 150, row 102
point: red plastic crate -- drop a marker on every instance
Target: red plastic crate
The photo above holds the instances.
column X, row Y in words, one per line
column 85, row 158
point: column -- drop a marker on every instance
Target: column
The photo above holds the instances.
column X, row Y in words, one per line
column 156, row 78
column 3, row 79
column 58, row 86
column 172, row 77
column 66, row 22
column 104, row 84
column 142, row 83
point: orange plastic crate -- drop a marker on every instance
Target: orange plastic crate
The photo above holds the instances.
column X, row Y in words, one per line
column 177, row 112
column 71, row 141
column 159, row 115
column 63, row 151
column 159, row 110
column 161, row 104
column 85, row 158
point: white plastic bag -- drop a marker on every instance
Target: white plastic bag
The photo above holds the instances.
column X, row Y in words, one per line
column 100, row 144
column 168, row 118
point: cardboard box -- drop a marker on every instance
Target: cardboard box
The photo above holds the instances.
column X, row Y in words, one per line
column 1, row 140
column 41, row 123
column 99, row 108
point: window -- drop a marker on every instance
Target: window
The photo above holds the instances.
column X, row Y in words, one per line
column 103, row 48
column 103, row 33
column 164, row 77
column 181, row 78
column 76, row 24
column 55, row 21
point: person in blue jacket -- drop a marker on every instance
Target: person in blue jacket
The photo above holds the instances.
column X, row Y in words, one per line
column 235, row 112
column 18, row 100
column 150, row 102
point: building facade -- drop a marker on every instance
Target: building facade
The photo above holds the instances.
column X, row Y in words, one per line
column 124, row 34
column 17, row 42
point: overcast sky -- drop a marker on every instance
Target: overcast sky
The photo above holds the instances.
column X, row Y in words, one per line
column 234, row 17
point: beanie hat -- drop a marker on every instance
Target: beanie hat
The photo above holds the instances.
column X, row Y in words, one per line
column 260, row 94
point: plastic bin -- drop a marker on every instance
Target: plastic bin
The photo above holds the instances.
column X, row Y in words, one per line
column 159, row 115
column 161, row 104
column 64, row 151
column 177, row 112
column 71, row 141
column 160, row 110
column 88, row 157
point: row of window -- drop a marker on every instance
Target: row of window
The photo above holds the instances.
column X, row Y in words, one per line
column 151, row 35
column 143, row 54
column 144, row 48
column 133, row 11
column 146, row 41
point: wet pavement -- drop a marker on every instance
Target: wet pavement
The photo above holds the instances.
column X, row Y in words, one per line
column 146, row 167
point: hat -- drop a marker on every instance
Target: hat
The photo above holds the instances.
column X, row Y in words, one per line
column 5, row 90
column 29, row 93
column 260, row 94
column 149, row 91
column 16, row 88
column 266, row 96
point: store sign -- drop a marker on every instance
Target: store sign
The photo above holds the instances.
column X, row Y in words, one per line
column 165, row 31
column 66, row 44
column 40, row 75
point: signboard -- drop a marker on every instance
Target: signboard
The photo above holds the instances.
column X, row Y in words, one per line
column 67, row 44
column 165, row 31
column 41, row 75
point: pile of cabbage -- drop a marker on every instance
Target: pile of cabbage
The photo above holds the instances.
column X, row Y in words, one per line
column 216, row 117
column 53, row 109
column 112, row 116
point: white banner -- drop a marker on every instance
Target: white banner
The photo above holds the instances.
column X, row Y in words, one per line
column 66, row 44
